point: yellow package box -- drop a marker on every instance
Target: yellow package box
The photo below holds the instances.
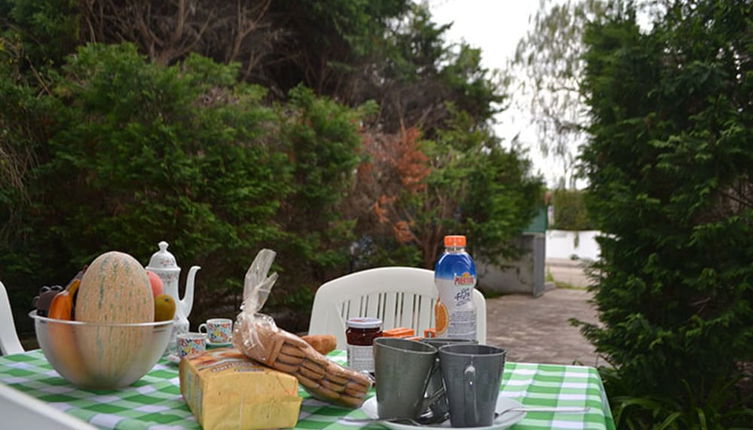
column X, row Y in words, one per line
column 227, row 390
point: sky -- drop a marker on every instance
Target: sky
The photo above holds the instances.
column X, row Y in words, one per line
column 496, row 27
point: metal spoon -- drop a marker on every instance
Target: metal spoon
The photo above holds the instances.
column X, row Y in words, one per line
column 409, row 421
column 425, row 419
column 558, row 409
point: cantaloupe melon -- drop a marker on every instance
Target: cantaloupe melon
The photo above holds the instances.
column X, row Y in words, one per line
column 114, row 289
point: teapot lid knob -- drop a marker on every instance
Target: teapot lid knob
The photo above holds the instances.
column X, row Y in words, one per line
column 162, row 259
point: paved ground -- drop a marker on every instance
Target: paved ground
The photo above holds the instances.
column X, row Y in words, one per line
column 537, row 329
column 568, row 271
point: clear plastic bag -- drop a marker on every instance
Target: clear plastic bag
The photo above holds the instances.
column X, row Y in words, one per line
column 258, row 337
column 250, row 323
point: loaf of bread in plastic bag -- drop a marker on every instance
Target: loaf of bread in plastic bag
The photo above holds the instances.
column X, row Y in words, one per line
column 261, row 339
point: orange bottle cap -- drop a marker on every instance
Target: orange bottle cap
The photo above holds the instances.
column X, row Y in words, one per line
column 452, row 240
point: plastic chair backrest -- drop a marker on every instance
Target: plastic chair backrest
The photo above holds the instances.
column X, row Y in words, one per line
column 399, row 296
column 21, row 411
column 9, row 343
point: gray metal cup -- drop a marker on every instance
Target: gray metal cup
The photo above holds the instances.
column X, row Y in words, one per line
column 441, row 407
column 403, row 369
column 472, row 375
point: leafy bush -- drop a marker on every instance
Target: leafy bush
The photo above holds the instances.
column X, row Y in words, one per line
column 570, row 212
column 323, row 140
column 42, row 32
column 413, row 191
column 670, row 164
column 128, row 152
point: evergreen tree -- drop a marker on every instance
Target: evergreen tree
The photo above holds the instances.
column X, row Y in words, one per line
column 670, row 162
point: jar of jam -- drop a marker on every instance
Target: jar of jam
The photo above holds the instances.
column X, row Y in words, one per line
column 360, row 335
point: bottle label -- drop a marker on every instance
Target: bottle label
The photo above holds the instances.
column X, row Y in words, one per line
column 460, row 309
column 455, row 278
column 361, row 358
column 462, row 325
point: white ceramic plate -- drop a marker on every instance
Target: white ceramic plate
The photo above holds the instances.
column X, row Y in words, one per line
column 369, row 408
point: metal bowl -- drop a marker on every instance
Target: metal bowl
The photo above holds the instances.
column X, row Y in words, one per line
column 101, row 355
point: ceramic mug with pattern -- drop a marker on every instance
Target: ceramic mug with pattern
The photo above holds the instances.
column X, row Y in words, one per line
column 191, row 343
column 218, row 330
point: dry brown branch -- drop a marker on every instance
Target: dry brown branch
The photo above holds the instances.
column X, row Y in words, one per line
column 169, row 30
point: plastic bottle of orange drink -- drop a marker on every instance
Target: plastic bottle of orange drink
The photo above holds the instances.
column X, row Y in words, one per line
column 455, row 278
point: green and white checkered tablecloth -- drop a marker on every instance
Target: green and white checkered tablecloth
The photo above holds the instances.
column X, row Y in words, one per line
column 155, row 403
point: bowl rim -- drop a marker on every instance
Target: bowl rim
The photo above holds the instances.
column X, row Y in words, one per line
column 157, row 324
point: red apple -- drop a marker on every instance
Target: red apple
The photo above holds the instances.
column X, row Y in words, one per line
column 156, row 283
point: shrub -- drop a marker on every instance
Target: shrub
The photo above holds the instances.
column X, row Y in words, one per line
column 128, row 152
column 670, row 164
column 570, row 211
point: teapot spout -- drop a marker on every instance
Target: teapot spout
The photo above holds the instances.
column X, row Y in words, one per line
column 186, row 304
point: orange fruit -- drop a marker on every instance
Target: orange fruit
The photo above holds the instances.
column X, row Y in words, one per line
column 164, row 307
column 442, row 318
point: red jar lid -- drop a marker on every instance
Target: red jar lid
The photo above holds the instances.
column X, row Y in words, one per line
column 364, row 323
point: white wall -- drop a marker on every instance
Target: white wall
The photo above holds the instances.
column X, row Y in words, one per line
column 565, row 244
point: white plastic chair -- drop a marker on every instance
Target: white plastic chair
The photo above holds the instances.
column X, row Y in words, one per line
column 399, row 296
column 20, row 411
column 9, row 343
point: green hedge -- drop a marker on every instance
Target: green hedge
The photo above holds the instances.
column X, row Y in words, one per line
column 570, row 212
